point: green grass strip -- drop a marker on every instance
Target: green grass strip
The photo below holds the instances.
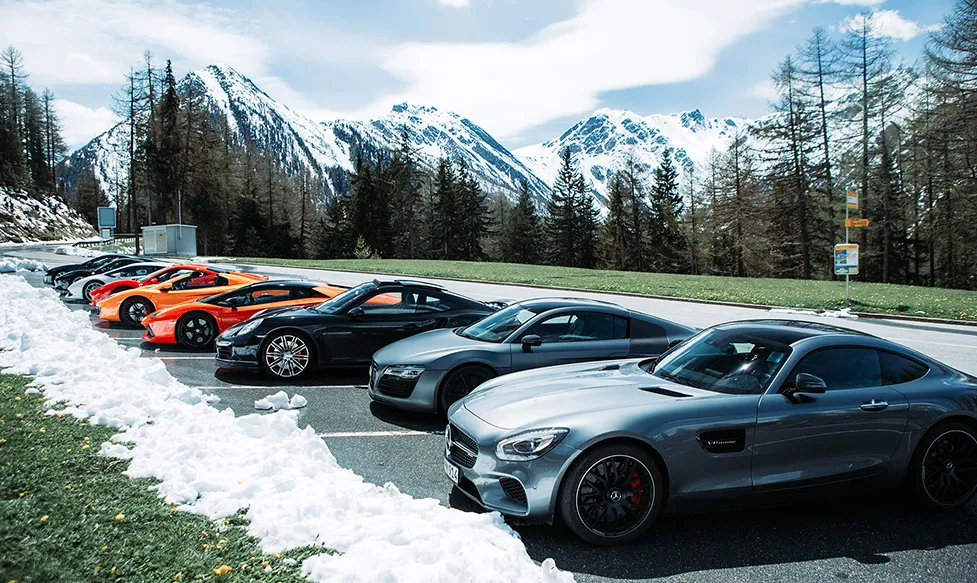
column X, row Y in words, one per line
column 69, row 514
column 877, row 298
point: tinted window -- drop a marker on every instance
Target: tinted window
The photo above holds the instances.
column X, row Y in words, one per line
column 620, row 327
column 390, row 304
column 267, row 296
column 434, row 303
column 842, row 368
column 300, row 293
column 575, row 327
column 498, row 326
column 198, row 280
column 897, row 369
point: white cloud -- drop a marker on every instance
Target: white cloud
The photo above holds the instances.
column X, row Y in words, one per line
column 456, row 3
column 562, row 69
column 765, row 90
column 886, row 23
column 95, row 41
column 854, row 2
column 82, row 123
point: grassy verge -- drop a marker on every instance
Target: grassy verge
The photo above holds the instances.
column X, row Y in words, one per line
column 68, row 514
column 827, row 295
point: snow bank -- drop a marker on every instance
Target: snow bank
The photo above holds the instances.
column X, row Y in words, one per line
column 280, row 400
column 12, row 264
column 28, row 218
column 77, row 251
column 845, row 313
column 213, row 463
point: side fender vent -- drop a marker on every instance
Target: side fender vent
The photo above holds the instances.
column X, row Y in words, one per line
column 665, row 392
column 723, row 440
column 610, row 367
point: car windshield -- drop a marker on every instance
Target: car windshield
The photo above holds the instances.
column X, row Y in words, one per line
column 724, row 361
column 500, row 325
column 345, row 299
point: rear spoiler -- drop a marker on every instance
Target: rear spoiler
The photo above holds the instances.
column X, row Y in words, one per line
column 499, row 304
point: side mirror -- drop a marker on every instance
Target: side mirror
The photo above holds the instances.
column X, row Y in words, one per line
column 165, row 287
column 530, row 340
column 354, row 313
column 806, row 385
column 675, row 343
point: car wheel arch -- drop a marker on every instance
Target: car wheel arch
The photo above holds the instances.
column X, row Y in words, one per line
column 966, row 419
column 467, row 364
column 603, row 441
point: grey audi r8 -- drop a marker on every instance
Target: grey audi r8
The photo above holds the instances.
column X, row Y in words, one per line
column 430, row 371
column 746, row 409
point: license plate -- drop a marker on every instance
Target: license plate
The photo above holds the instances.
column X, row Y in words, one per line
column 451, row 471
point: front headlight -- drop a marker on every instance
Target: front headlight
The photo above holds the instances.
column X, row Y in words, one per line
column 407, row 372
column 529, row 445
column 249, row 326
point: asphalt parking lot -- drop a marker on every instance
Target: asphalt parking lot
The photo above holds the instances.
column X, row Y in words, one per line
column 873, row 539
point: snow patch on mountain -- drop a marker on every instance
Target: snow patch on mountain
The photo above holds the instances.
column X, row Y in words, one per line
column 28, row 218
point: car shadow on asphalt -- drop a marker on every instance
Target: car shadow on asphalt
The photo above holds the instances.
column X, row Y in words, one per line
column 338, row 377
column 864, row 531
column 407, row 419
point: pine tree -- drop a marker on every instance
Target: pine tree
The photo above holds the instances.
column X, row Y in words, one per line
column 667, row 240
column 13, row 162
column 617, row 236
column 444, row 227
column 405, row 201
column 571, row 225
column 472, row 215
column 522, row 237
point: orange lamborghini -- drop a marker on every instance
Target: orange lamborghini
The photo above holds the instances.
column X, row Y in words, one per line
column 131, row 306
column 196, row 324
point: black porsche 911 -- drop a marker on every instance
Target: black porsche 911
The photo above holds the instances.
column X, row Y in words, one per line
column 346, row 330
column 93, row 263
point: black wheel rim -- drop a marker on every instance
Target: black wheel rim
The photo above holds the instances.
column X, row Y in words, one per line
column 197, row 331
column 287, row 356
column 615, row 496
column 138, row 310
column 950, row 468
column 462, row 385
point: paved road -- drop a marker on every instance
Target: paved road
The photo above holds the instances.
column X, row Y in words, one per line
column 876, row 539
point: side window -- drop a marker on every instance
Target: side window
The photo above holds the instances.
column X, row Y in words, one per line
column 197, row 280
column 300, row 293
column 898, row 369
column 842, row 368
column 267, row 296
column 434, row 303
column 389, row 304
column 576, row 327
column 620, row 327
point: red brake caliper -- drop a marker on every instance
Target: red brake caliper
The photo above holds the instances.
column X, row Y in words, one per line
column 635, row 484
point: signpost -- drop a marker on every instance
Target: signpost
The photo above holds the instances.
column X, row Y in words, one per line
column 106, row 224
column 846, row 254
column 849, row 223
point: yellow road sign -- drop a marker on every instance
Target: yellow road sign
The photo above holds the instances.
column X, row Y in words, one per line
column 852, row 200
column 856, row 222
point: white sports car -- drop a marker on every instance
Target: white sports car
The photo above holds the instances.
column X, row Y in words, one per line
column 83, row 288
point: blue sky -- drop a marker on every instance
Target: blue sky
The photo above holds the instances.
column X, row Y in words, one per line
column 523, row 69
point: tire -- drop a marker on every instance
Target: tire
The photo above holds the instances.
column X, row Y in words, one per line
column 74, row 279
column 287, row 355
column 196, row 330
column 460, row 382
column 586, row 499
column 86, row 292
column 133, row 310
column 943, row 470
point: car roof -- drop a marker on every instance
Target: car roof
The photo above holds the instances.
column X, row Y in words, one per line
column 789, row 331
column 543, row 304
column 290, row 283
column 406, row 283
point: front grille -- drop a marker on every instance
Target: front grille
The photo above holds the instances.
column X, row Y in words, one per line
column 374, row 368
column 224, row 352
column 149, row 332
column 513, row 489
column 462, row 448
column 396, row 387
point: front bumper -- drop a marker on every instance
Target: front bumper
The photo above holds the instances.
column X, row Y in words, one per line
column 160, row 332
column 232, row 356
column 110, row 313
column 423, row 397
column 523, row 489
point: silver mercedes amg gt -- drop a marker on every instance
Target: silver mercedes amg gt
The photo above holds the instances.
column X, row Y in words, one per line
column 764, row 408
column 430, row 371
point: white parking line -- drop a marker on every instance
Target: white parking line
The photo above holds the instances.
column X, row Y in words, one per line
column 280, row 387
column 404, row 433
column 165, row 357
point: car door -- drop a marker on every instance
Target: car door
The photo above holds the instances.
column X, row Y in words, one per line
column 383, row 317
column 849, row 431
column 572, row 336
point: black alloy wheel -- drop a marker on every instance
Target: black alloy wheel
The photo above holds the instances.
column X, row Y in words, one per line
column 86, row 292
column 134, row 310
column 947, row 468
column 612, row 494
column 286, row 355
column 460, row 383
column 196, row 330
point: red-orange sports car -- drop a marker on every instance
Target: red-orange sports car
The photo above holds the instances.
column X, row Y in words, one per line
column 196, row 324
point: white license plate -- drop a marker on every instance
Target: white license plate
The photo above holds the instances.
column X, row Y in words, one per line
column 451, row 470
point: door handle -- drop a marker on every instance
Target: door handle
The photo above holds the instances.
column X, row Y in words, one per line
column 874, row 405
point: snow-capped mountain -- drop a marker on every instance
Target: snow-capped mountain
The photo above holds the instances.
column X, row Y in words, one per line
column 329, row 147
column 602, row 143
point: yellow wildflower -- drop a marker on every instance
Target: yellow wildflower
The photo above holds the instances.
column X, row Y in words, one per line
column 19, row 415
column 223, row 570
column 120, row 516
column 22, row 494
column 85, row 446
column 41, row 430
column 43, row 518
column 105, row 547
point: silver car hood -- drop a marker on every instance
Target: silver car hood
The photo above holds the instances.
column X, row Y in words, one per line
column 426, row 347
column 528, row 399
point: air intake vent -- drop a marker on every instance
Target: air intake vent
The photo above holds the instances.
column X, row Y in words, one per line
column 610, row 367
column 723, row 440
column 665, row 392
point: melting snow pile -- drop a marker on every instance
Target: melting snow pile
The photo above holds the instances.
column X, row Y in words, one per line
column 845, row 313
column 77, row 251
column 213, row 463
column 25, row 218
column 280, row 400
column 12, row 264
